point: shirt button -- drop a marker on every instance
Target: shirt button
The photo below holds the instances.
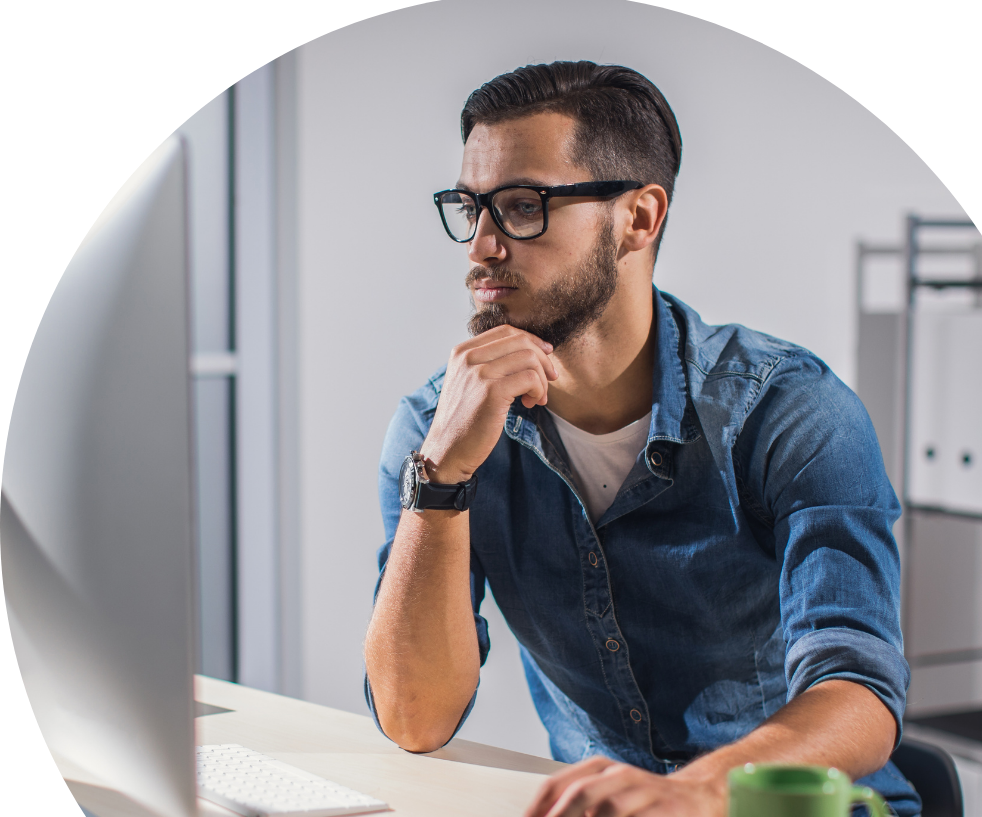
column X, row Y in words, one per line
column 635, row 716
column 593, row 558
column 612, row 645
column 656, row 458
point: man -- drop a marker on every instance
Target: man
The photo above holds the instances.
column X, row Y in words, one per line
column 688, row 528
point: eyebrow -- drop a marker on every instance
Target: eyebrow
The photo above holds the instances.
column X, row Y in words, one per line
column 510, row 183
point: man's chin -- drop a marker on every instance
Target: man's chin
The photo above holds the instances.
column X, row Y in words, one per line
column 487, row 317
column 495, row 315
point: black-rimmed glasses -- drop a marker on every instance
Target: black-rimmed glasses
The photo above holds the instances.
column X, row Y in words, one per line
column 521, row 211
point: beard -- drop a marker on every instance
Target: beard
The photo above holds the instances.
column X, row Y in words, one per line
column 564, row 309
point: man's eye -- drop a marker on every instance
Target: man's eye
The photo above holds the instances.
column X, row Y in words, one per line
column 467, row 211
column 526, row 208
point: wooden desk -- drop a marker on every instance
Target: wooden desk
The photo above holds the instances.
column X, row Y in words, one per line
column 463, row 778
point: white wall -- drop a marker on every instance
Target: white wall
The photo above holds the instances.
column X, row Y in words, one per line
column 781, row 173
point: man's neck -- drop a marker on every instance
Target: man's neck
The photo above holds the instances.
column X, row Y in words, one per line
column 605, row 374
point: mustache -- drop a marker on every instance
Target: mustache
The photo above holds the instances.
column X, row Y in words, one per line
column 496, row 275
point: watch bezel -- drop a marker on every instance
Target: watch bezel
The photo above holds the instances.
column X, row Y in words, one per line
column 414, row 463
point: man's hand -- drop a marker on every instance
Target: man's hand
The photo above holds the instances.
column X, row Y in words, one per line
column 484, row 375
column 834, row 723
column 599, row 787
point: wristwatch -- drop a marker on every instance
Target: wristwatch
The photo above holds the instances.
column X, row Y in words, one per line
column 417, row 493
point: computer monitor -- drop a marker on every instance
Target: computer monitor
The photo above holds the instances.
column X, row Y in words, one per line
column 96, row 514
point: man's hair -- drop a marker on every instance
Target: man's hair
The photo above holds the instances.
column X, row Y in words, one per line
column 625, row 129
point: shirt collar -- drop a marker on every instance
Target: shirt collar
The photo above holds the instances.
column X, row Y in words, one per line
column 673, row 417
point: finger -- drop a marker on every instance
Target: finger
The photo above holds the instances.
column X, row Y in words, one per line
column 505, row 330
column 551, row 790
column 517, row 363
column 508, row 329
column 619, row 791
column 633, row 800
column 507, row 345
column 526, row 384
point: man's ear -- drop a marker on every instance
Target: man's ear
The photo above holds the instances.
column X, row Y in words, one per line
column 647, row 209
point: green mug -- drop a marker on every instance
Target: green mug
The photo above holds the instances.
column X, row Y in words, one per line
column 798, row 791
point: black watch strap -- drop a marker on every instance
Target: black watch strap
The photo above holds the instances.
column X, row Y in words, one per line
column 454, row 497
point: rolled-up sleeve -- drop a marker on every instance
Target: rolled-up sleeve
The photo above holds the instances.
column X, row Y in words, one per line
column 406, row 433
column 812, row 456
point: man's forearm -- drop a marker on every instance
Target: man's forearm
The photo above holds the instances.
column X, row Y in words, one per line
column 421, row 651
column 834, row 723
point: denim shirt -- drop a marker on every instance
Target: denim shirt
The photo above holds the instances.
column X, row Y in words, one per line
column 747, row 556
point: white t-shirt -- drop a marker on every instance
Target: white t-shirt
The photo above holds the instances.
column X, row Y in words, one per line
column 601, row 462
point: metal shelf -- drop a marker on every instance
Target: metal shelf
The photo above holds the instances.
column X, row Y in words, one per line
column 941, row 529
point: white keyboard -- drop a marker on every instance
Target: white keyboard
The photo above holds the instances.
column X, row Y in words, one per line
column 255, row 785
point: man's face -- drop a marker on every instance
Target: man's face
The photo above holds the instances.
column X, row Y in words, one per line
column 553, row 286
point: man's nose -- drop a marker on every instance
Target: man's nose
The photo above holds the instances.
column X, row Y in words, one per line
column 487, row 244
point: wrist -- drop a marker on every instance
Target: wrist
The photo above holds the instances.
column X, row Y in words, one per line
column 711, row 770
column 441, row 470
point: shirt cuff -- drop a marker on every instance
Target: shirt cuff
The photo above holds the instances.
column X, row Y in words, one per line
column 850, row 655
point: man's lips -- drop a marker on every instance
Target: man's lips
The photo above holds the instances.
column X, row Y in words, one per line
column 490, row 291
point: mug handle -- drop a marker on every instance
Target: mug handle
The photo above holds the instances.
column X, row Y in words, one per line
column 873, row 802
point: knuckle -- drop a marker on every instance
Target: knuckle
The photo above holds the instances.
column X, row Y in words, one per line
column 497, row 386
column 614, row 804
column 619, row 798
column 622, row 772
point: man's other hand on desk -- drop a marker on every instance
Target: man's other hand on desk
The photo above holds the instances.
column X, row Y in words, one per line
column 834, row 723
column 599, row 787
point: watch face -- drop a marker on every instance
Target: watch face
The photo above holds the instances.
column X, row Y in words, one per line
column 407, row 483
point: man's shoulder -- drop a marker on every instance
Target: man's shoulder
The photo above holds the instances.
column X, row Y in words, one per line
column 732, row 349
column 734, row 373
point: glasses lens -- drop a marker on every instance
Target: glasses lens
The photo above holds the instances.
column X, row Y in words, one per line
column 519, row 211
column 458, row 214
